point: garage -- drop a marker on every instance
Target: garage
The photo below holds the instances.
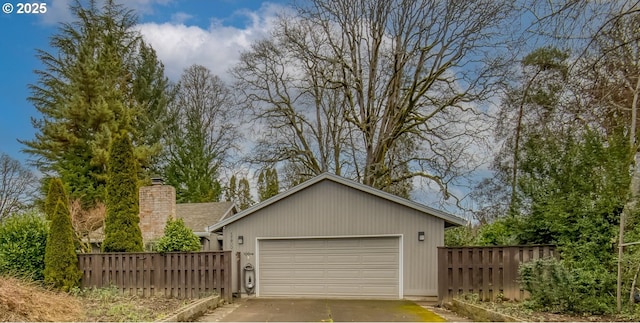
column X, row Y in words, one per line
column 361, row 267
column 337, row 238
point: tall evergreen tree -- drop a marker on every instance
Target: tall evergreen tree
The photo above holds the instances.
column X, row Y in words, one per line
column 122, row 233
column 268, row 184
column 244, row 199
column 100, row 78
column 60, row 258
column 152, row 93
column 239, row 191
column 56, row 192
column 232, row 189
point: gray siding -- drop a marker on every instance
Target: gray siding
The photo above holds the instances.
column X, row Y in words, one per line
column 329, row 209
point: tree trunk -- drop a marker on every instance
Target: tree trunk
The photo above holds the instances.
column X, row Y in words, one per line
column 630, row 206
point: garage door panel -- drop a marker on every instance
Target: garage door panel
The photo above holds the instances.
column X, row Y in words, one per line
column 342, row 289
column 344, row 273
column 281, row 245
column 278, row 259
column 276, row 274
column 380, row 258
column 308, row 244
column 277, row 290
column 308, row 258
column 341, row 259
column 307, row 274
column 341, row 243
column 342, row 267
column 385, row 273
column 309, row 288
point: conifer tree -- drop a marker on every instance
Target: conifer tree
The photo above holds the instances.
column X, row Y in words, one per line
column 244, row 199
column 56, row 192
column 200, row 135
column 239, row 192
column 268, row 184
column 232, row 189
column 60, row 258
column 122, row 233
column 98, row 78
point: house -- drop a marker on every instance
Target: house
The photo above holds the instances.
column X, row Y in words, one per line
column 333, row 237
column 157, row 204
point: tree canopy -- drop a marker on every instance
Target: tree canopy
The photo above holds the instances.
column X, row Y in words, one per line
column 99, row 78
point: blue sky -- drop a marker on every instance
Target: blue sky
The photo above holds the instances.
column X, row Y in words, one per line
column 183, row 32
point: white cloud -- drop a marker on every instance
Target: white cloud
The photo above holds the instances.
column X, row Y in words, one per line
column 218, row 47
column 57, row 11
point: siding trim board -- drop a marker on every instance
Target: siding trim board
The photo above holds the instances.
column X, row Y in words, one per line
column 400, row 264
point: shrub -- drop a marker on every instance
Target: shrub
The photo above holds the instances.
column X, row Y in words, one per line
column 60, row 259
column 460, row 236
column 497, row 233
column 122, row 233
column 177, row 237
column 556, row 286
column 23, row 238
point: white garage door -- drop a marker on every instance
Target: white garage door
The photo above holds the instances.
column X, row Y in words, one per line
column 340, row 267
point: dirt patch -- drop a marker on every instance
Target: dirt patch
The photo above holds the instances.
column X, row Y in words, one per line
column 27, row 301
column 24, row 301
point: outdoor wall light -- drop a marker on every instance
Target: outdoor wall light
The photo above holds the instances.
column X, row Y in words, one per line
column 240, row 239
column 421, row 236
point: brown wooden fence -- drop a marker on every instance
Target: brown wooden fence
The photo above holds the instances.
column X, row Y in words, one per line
column 174, row 274
column 486, row 271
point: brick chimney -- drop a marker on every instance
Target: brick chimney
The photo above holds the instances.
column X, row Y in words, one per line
column 157, row 205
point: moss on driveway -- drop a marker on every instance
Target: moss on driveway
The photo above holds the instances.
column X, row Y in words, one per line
column 329, row 310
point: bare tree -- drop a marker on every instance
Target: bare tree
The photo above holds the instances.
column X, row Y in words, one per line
column 203, row 132
column 300, row 115
column 17, row 186
column 403, row 78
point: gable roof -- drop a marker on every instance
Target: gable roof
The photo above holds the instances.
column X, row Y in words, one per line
column 197, row 216
column 450, row 219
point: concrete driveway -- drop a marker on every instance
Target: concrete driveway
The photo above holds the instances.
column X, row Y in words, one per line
column 321, row 310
